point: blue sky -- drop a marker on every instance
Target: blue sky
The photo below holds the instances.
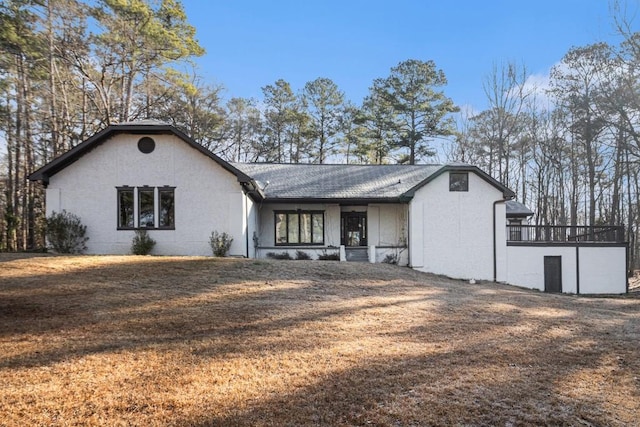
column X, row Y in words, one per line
column 251, row 44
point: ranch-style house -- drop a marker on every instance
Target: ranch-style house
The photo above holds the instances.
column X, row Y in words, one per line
column 451, row 219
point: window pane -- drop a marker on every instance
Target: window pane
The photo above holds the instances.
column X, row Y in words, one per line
column 293, row 228
column 166, row 211
column 299, row 228
column 458, row 181
column 281, row 228
column 125, row 208
column 146, row 208
column 305, row 228
column 318, row 228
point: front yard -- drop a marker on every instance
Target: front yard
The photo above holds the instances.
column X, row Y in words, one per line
column 207, row 342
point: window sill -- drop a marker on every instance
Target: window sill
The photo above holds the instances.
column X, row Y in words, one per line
column 298, row 245
column 144, row 228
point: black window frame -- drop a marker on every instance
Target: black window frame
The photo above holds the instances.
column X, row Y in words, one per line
column 299, row 214
column 136, row 202
column 120, row 191
column 459, row 181
column 171, row 190
column 152, row 191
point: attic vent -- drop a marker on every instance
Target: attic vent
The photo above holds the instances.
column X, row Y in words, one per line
column 146, row 145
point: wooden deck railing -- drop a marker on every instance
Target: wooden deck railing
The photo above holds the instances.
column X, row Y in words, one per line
column 565, row 233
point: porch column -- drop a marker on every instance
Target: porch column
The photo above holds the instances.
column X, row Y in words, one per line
column 372, row 254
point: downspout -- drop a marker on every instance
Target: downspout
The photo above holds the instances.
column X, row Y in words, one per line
column 577, row 268
column 409, row 235
column 251, row 187
column 246, row 228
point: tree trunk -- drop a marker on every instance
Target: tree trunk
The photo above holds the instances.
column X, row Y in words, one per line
column 53, row 116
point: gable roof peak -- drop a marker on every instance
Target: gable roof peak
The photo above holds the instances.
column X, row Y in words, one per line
column 149, row 127
column 143, row 122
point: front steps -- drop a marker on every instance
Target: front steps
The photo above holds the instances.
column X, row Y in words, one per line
column 357, row 254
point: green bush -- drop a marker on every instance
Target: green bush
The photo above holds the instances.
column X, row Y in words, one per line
column 334, row 256
column 302, row 255
column 142, row 243
column 65, row 233
column 391, row 259
column 220, row 243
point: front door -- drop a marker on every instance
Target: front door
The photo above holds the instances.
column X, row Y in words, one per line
column 353, row 227
column 553, row 274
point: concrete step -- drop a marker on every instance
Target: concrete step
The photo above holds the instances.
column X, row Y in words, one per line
column 357, row 255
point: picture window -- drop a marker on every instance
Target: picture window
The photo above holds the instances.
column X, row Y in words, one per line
column 146, row 207
column 299, row 228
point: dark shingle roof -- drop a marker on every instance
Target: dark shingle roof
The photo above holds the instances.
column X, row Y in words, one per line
column 307, row 181
column 517, row 209
column 292, row 182
column 310, row 182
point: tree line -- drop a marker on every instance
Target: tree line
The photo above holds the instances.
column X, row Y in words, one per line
column 570, row 150
column 69, row 68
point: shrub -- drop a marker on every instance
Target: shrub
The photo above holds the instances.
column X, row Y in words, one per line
column 65, row 233
column 334, row 256
column 220, row 243
column 282, row 255
column 391, row 259
column 302, row 255
column 142, row 243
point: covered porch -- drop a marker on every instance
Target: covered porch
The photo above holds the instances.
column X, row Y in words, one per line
column 372, row 232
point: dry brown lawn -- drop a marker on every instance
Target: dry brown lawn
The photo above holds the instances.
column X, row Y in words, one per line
column 215, row 342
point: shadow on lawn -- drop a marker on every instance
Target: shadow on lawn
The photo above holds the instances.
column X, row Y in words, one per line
column 480, row 380
column 132, row 304
column 478, row 365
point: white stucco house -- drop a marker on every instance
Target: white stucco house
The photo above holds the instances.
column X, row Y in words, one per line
column 452, row 219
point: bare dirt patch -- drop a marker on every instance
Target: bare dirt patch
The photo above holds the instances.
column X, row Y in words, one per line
column 200, row 341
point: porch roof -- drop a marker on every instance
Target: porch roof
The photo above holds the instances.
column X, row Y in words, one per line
column 516, row 209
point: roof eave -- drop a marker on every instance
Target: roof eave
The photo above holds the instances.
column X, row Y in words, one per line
column 334, row 200
column 507, row 194
column 519, row 215
column 252, row 188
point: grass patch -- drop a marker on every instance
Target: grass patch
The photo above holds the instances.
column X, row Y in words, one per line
column 200, row 341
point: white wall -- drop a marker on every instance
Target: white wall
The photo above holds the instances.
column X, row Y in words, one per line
column 207, row 197
column 387, row 224
column 602, row 269
column 451, row 233
column 525, row 266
